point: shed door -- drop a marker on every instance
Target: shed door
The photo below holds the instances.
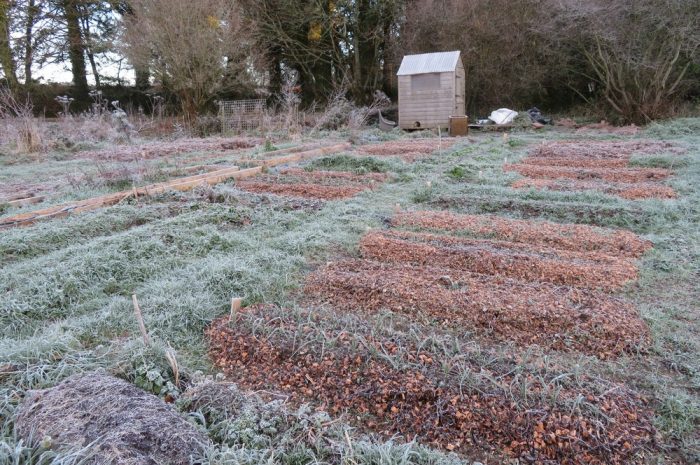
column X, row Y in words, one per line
column 459, row 93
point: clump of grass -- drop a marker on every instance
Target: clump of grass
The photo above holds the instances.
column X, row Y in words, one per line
column 457, row 172
column 358, row 165
column 674, row 128
column 269, row 146
column 423, row 194
column 670, row 162
column 678, row 416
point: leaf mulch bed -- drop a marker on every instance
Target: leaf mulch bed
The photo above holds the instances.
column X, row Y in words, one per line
column 321, row 175
column 598, row 166
column 522, row 262
column 406, row 150
column 582, row 212
column 572, row 237
column 603, row 149
column 575, row 425
column 323, row 185
column 633, row 191
column 309, row 191
column 577, row 162
column 501, row 309
column 628, row 175
column 163, row 149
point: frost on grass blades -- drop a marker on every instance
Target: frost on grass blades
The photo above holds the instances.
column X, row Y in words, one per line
column 401, row 301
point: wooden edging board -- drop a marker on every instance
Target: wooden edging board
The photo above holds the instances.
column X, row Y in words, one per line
column 181, row 184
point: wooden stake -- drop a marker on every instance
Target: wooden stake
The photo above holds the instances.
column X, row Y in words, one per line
column 235, row 307
column 139, row 318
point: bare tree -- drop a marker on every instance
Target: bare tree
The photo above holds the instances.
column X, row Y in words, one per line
column 636, row 55
column 188, row 45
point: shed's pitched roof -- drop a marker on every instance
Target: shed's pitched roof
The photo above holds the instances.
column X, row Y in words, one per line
column 441, row 62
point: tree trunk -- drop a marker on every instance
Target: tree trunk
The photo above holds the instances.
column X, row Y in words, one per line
column 87, row 44
column 275, row 70
column 143, row 76
column 6, row 61
column 93, row 65
column 32, row 12
column 76, row 50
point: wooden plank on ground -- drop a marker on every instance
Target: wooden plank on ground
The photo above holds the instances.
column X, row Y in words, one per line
column 23, row 201
column 181, row 184
column 294, row 150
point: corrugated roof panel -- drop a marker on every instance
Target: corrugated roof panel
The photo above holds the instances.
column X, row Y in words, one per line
column 440, row 62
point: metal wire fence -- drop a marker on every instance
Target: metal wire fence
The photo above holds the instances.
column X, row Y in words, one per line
column 241, row 115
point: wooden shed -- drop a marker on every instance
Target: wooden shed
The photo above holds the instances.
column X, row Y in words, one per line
column 431, row 89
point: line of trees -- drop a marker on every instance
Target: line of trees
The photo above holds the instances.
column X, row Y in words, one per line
column 635, row 59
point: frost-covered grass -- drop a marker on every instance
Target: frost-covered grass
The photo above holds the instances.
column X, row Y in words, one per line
column 67, row 286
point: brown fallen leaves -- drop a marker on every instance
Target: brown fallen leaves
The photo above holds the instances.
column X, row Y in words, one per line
column 497, row 308
column 631, row 191
column 321, row 175
column 628, row 175
column 409, row 150
column 567, row 425
column 520, row 261
column 603, row 149
column 162, row 149
column 600, row 166
column 324, row 185
column 309, row 191
column 572, row 237
column 578, row 162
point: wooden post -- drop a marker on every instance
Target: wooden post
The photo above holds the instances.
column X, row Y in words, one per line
column 235, row 307
column 139, row 317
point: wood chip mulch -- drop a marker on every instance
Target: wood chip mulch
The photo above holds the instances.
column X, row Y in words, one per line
column 577, row 162
column 628, row 175
column 603, row 149
column 574, row 237
column 322, row 185
column 573, row 426
column 630, row 191
column 498, row 308
column 409, row 150
column 309, row 191
column 523, row 262
column 162, row 149
column 596, row 166
column 321, row 175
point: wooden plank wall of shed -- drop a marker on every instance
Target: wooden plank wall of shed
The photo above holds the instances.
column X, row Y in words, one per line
column 430, row 107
